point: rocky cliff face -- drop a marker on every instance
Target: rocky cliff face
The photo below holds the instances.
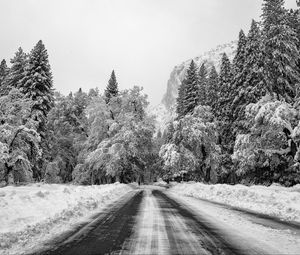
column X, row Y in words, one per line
column 165, row 110
column 212, row 57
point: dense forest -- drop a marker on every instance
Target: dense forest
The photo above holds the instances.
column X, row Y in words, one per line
column 240, row 125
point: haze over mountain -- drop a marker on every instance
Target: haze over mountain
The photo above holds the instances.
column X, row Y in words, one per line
column 166, row 110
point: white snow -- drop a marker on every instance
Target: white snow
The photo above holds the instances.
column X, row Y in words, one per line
column 275, row 200
column 45, row 210
column 258, row 236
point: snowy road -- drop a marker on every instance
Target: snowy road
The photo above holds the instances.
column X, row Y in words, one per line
column 152, row 221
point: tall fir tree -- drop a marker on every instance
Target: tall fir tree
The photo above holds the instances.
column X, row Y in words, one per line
column 212, row 87
column 297, row 29
column 238, row 65
column 239, row 59
column 222, row 107
column 169, row 132
column 17, row 71
column 223, row 104
column 203, row 73
column 180, row 99
column 38, row 86
column 191, row 92
column 239, row 73
column 281, row 52
column 112, row 89
column 4, row 70
column 253, row 85
column 294, row 22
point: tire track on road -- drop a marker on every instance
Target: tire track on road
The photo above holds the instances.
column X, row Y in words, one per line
column 208, row 239
column 104, row 235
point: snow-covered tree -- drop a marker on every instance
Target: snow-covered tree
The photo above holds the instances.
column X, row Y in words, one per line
column 66, row 135
column 124, row 155
column 37, row 85
column 180, row 99
column 212, row 87
column 191, row 91
column 268, row 151
column 193, row 147
column 134, row 101
column 222, row 105
column 238, row 65
column 3, row 74
column 294, row 22
column 239, row 58
column 17, row 69
column 112, row 89
column 93, row 93
column 250, row 83
column 19, row 141
column 280, row 50
column 203, row 73
column 169, row 132
column 117, row 148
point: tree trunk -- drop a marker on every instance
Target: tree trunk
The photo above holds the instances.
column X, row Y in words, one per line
column 8, row 174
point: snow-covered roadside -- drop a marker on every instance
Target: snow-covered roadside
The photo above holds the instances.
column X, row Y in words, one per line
column 256, row 235
column 274, row 200
column 45, row 210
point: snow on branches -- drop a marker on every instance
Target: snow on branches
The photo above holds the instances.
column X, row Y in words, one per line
column 273, row 129
column 193, row 147
column 19, row 140
column 120, row 137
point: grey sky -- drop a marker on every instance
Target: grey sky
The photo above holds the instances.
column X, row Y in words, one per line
column 141, row 39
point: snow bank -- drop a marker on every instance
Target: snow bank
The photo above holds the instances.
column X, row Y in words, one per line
column 36, row 209
column 275, row 200
column 161, row 183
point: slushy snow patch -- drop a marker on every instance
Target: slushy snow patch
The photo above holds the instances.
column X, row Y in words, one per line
column 275, row 200
column 38, row 209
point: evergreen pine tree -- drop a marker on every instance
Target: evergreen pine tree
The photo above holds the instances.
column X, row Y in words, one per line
column 37, row 84
column 169, row 132
column 212, row 88
column 3, row 75
column 239, row 71
column 294, row 22
column 202, row 84
column 17, row 70
column 253, row 85
column 223, row 104
column 239, row 59
column 281, row 52
column 180, row 99
column 222, row 107
column 112, row 88
column 191, row 92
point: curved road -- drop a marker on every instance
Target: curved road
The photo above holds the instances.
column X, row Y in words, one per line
column 149, row 221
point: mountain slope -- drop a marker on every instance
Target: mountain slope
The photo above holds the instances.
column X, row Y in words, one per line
column 165, row 111
column 212, row 57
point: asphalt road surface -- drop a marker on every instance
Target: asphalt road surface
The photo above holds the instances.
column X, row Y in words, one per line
column 149, row 221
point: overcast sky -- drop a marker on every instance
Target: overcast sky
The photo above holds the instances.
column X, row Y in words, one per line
column 141, row 39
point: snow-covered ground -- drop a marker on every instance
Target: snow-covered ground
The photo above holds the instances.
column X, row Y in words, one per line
column 257, row 235
column 275, row 200
column 46, row 210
